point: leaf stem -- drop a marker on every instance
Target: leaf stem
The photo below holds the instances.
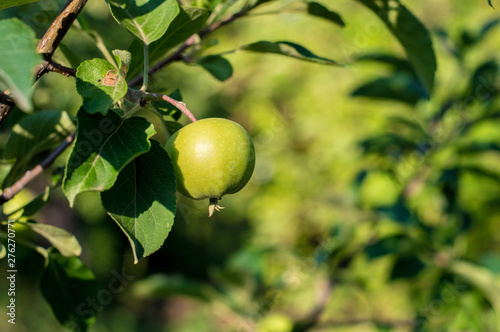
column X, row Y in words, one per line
column 145, row 75
column 179, row 104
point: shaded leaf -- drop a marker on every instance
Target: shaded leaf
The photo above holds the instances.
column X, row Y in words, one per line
column 396, row 63
column 146, row 19
column 103, row 146
column 17, row 60
column 142, row 201
column 397, row 244
column 218, row 66
column 483, row 82
column 406, row 267
column 397, row 212
column 65, row 242
column 288, row 49
column 66, row 284
column 100, row 84
column 318, row 10
column 387, row 144
column 12, row 3
column 168, row 110
column 399, row 87
column 172, row 126
column 478, row 147
column 35, row 133
column 413, row 36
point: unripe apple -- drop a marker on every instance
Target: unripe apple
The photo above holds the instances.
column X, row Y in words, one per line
column 211, row 158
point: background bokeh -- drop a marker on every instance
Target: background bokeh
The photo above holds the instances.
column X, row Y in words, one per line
column 363, row 214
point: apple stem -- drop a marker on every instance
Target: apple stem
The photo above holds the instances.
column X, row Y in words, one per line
column 138, row 96
column 214, row 206
column 181, row 106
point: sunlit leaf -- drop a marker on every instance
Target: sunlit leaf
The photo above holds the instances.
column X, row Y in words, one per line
column 100, row 84
column 17, row 60
column 146, row 19
column 12, row 3
column 65, row 242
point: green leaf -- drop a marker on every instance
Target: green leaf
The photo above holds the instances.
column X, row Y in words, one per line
column 489, row 2
column 288, row 49
column 11, row 3
column 3, row 251
column 123, row 60
column 103, row 146
column 159, row 286
column 188, row 22
column 172, row 126
column 216, row 65
column 65, row 242
column 142, row 201
column 17, row 60
column 401, row 87
column 146, row 19
column 397, row 212
column 480, row 277
column 35, row 133
column 406, row 267
column 413, row 36
column 5, row 169
column 67, row 284
column 397, row 244
column 492, row 262
column 317, row 9
column 100, row 84
column 168, row 110
column 34, row 205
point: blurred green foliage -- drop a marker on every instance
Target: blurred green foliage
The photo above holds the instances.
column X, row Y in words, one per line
column 363, row 214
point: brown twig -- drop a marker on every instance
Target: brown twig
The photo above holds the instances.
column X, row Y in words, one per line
column 177, row 54
column 48, row 66
column 58, row 29
column 13, row 190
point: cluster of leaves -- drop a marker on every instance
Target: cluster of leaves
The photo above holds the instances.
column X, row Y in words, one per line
column 114, row 152
column 432, row 158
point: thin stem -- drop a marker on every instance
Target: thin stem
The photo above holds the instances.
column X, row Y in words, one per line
column 145, row 75
column 13, row 190
column 179, row 104
column 177, row 54
column 48, row 66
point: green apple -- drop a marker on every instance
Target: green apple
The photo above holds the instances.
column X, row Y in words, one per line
column 211, row 157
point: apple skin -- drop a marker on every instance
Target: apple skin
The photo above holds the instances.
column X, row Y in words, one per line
column 211, row 157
